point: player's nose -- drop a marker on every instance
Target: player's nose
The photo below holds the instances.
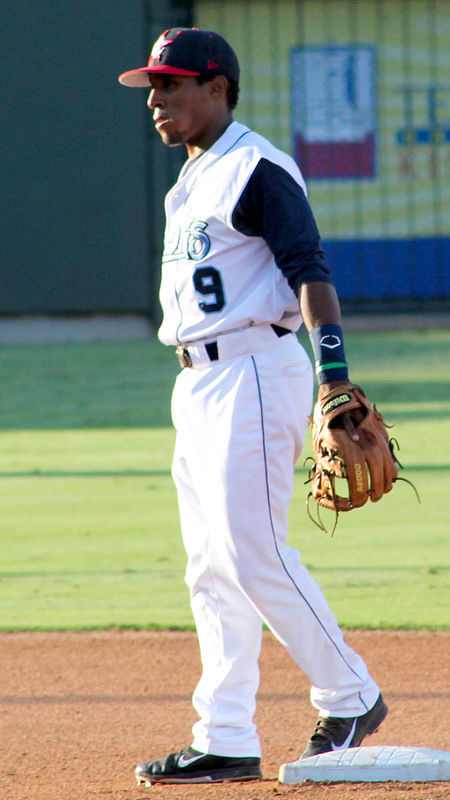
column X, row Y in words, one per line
column 154, row 99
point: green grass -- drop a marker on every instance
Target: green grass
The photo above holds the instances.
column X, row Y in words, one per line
column 86, row 385
column 89, row 522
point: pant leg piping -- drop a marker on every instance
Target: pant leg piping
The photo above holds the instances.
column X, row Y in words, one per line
column 322, row 625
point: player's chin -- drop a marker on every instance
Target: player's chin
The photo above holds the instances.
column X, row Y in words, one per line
column 170, row 137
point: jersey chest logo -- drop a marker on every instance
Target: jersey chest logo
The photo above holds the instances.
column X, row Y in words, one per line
column 192, row 243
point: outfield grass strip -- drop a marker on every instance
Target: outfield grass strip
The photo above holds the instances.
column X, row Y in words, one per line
column 103, row 473
column 144, row 473
column 380, row 568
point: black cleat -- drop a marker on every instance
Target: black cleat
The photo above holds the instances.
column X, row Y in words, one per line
column 191, row 766
column 337, row 733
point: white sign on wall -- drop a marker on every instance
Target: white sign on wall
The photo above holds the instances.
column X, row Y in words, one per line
column 333, row 110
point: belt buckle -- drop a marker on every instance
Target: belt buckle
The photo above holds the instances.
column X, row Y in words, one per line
column 183, row 356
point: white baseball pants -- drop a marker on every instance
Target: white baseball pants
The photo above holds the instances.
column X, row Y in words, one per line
column 240, row 429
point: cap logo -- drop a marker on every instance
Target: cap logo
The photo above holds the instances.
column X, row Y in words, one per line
column 212, row 65
column 159, row 46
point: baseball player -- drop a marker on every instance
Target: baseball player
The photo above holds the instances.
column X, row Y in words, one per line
column 242, row 268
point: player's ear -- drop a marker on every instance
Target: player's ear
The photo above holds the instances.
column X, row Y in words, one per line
column 219, row 87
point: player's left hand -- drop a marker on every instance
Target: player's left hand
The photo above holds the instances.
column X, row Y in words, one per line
column 354, row 457
column 350, row 419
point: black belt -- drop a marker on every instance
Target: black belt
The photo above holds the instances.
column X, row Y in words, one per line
column 212, row 348
column 280, row 331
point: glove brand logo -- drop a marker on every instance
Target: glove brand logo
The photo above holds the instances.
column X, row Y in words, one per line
column 359, row 478
column 331, row 341
column 335, row 402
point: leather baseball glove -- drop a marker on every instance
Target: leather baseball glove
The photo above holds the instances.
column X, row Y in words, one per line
column 354, row 457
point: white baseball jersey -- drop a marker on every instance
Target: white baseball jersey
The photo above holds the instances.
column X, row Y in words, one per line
column 216, row 279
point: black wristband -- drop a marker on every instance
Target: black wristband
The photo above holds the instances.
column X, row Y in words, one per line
column 328, row 347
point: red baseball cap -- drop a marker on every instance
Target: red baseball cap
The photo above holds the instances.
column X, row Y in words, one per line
column 186, row 51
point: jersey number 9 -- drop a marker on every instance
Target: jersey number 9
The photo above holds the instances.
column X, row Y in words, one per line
column 207, row 282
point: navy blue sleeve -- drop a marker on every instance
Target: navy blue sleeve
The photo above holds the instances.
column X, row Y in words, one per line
column 274, row 206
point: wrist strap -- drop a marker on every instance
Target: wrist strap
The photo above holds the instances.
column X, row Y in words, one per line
column 327, row 342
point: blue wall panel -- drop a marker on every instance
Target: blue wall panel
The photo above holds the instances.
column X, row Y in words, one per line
column 390, row 268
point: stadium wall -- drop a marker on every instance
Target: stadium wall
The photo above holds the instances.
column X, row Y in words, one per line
column 357, row 90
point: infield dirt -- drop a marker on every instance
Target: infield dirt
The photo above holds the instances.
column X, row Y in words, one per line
column 79, row 710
